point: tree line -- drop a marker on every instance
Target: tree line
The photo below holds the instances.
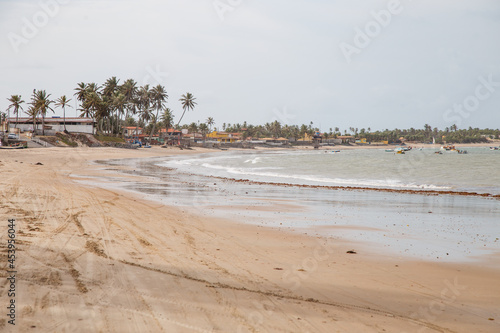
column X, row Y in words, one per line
column 111, row 105
column 114, row 106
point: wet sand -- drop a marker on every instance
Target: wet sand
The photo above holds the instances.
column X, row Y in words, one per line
column 93, row 259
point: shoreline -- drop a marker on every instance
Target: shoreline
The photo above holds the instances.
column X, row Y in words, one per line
column 251, row 202
column 113, row 261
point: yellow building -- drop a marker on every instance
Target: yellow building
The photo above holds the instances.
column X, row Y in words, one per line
column 224, row 136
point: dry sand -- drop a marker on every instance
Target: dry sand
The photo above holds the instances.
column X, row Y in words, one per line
column 94, row 260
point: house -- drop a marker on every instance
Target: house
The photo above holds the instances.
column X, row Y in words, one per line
column 224, row 137
column 274, row 141
column 54, row 124
column 170, row 136
column 194, row 137
column 346, row 139
column 131, row 131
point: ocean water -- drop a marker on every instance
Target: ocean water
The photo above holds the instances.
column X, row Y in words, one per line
column 440, row 228
column 477, row 171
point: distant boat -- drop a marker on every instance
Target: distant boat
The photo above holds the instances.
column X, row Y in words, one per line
column 389, row 150
column 494, row 148
column 448, row 148
column 335, row 151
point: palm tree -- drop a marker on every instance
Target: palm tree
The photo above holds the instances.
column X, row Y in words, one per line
column 203, row 129
column 119, row 103
column 210, row 122
column 63, row 102
column 188, row 103
column 41, row 104
column 158, row 96
column 129, row 89
column 167, row 119
column 143, row 104
column 32, row 112
column 193, row 128
column 110, row 86
column 81, row 91
column 16, row 104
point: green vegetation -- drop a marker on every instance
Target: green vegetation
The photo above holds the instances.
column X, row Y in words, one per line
column 67, row 141
column 103, row 138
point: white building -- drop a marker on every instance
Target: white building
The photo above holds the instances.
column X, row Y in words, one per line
column 54, row 124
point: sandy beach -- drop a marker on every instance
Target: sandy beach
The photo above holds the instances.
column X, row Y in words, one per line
column 95, row 260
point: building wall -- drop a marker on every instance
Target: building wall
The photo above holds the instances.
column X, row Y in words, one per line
column 58, row 128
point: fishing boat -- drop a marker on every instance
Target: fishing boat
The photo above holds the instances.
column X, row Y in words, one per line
column 448, row 148
column 9, row 147
column 494, row 148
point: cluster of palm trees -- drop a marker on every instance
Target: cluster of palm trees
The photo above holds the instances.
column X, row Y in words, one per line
column 111, row 105
column 427, row 134
column 39, row 105
column 273, row 129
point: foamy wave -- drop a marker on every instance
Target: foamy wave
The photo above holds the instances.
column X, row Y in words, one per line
column 300, row 179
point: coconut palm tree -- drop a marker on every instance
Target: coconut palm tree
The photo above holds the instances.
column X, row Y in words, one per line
column 203, row 129
column 41, row 104
column 81, row 91
column 63, row 102
column 193, row 128
column 32, row 112
column 129, row 89
column 210, row 122
column 188, row 103
column 119, row 103
column 167, row 118
column 143, row 104
column 16, row 101
column 110, row 87
column 158, row 97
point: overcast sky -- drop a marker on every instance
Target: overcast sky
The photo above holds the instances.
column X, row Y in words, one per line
column 378, row 64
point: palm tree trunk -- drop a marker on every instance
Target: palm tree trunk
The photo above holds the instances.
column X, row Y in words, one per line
column 154, row 126
column 181, row 117
column 64, row 117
